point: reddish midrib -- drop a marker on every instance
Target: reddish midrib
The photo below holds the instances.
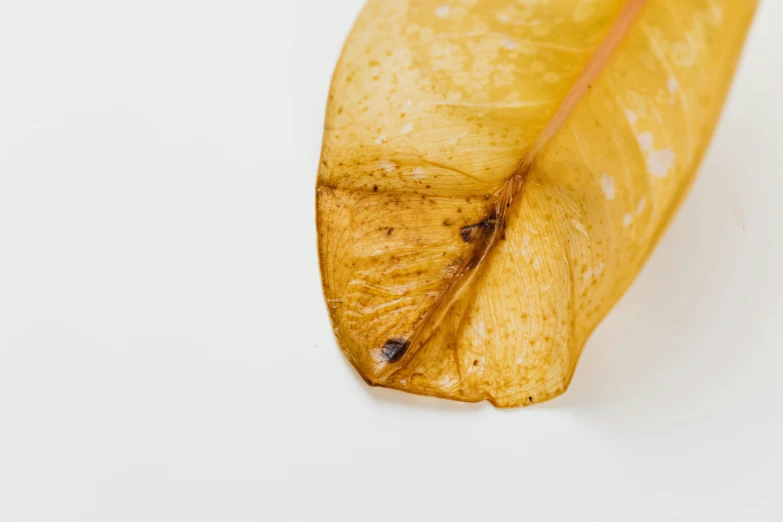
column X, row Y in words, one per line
column 594, row 66
column 478, row 253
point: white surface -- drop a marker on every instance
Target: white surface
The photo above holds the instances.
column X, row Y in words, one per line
column 165, row 353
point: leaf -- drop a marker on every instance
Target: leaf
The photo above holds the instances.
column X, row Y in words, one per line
column 495, row 173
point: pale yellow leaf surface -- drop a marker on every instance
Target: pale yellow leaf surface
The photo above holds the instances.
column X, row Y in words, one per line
column 495, row 172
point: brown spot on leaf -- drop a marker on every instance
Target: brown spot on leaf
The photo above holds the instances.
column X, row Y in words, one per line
column 471, row 232
column 394, row 349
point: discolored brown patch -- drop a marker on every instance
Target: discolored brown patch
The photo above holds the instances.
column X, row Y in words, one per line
column 394, row 349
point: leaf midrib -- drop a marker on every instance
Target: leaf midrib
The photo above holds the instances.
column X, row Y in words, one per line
column 511, row 189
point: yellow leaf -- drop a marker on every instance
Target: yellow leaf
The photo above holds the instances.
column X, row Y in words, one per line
column 494, row 173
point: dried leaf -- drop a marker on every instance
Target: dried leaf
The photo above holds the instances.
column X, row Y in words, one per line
column 494, row 173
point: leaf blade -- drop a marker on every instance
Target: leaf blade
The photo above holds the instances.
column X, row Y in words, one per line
column 510, row 333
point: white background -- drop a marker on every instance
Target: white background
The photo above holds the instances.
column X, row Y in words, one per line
column 165, row 352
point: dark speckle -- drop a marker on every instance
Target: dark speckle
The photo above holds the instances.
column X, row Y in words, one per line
column 389, row 232
column 466, row 233
column 475, row 363
column 471, row 232
column 530, row 399
column 375, row 188
column 394, row 349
